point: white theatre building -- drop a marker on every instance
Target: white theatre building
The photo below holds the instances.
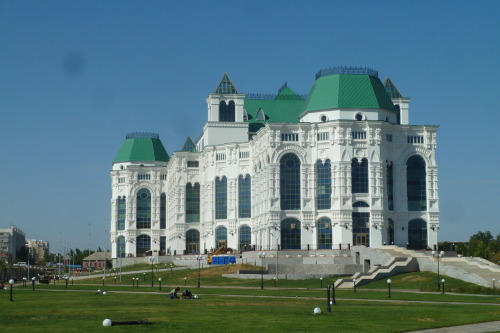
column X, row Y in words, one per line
column 340, row 166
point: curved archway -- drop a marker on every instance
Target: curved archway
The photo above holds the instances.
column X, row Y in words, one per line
column 323, row 184
column 192, row 202
column 192, row 241
column 361, row 229
column 143, row 209
column 143, row 244
column 290, row 182
column 359, row 175
column 416, row 177
column 417, row 234
column 244, row 196
column 324, row 233
column 244, row 238
column 226, row 111
column 163, row 211
column 290, row 234
column 221, row 237
column 121, row 213
column 220, row 198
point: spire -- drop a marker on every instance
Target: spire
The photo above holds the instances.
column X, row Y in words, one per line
column 226, row 86
column 189, row 145
column 391, row 89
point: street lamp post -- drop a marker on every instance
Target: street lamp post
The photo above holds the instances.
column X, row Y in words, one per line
column 442, row 281
column 493, row 280
column 262, row 256
column 33, row 282
column 67, row 281
column 11, row 282
column 438, row 255
column 159, row 282
column 354, row 285
column 199, row 257
column 24, row 282
column 137, row 282
column 389, row 286
column 321, row 282
column 152, row 259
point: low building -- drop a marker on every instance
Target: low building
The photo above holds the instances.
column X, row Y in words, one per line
column 97, row 260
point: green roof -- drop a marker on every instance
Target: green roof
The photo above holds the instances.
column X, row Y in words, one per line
column 285, row 107
column 142, row 147
column 360, row 91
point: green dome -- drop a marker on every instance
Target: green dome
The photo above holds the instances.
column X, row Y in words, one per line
column 344, row 87
column 142, row 147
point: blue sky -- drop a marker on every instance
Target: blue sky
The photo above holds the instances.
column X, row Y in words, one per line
column 76, row 76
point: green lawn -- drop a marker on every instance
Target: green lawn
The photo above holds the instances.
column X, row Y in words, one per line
column 230, row 305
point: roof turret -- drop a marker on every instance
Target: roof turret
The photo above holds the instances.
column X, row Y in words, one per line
column 145, row 147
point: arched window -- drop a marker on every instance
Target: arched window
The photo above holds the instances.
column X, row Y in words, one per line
column 260, row 115
column 193, row 241
column 390, row 231
column 143, row 209
column 143, row 244
column 226, row 111
column 417, row 234
column 324, row 233
column 290, row 234
column 121, row 206
column 220, row 198
column 360, row 204
column 415, row 183
column 390, row 186
column 192, row 202
column 244, row 196
column 359, row 176
column 245, row 238
column 323, row 184
column 361, row 229
column 120, row 247
column 221, row 237
column 163, row 211
column 245, row 115
column 290, row 182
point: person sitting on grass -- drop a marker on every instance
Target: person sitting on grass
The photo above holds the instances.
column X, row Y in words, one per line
column 173, row 293
column 187, row 294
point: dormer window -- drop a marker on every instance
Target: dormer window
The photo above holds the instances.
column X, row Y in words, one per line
column 260, row 115
column 245, row 115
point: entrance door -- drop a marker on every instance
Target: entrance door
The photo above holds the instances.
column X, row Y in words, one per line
column 361, row 239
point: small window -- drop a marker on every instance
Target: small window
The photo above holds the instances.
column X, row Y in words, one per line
column 193, row 164
column 220, row 157
column 142, row 176
column 121, row 180
column 244, row 154
column 359, row 116
column 323, row 136
column 163, row 177
column 358, row 135
column 289, row 137
column 415, row 139
column 360, row 204
column 388, row 137
column 324, row 118
column 260, row 115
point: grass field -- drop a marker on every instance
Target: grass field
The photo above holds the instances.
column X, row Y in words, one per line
column 229, row 305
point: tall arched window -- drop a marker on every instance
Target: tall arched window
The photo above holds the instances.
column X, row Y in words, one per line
column 244, row 196
column 290, row 182
column 192, row 202
column 121, row 206
column 163, row 211
column 323, row 184
column 193, row 241
column 143, row 244
column 290, row 234
column 390, row 186
column 415, row 183
column 260, row 115
column 120, row 247
column 221, row 237
column 245, row 238
column 143, row 209
column 417, row 234
column 226, row 111
column 361, row 229
column 324, row 233
column 390, row 231
column 359, row 175
column 220, row 198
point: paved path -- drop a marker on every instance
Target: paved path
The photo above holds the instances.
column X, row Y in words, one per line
column 492, row 326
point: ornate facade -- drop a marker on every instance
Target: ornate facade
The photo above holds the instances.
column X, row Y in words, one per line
column 340, row 166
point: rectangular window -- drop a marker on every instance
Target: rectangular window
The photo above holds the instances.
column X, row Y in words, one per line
column 163, row 177
column 244, row 154
column 323, row 136
column 121, row 180
column 193, row 164
column 388, row 137
column 415, row 139
column 289, row 137
column 358, row 135
column 143, row 176
column 220, row 157
column 244, row 197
